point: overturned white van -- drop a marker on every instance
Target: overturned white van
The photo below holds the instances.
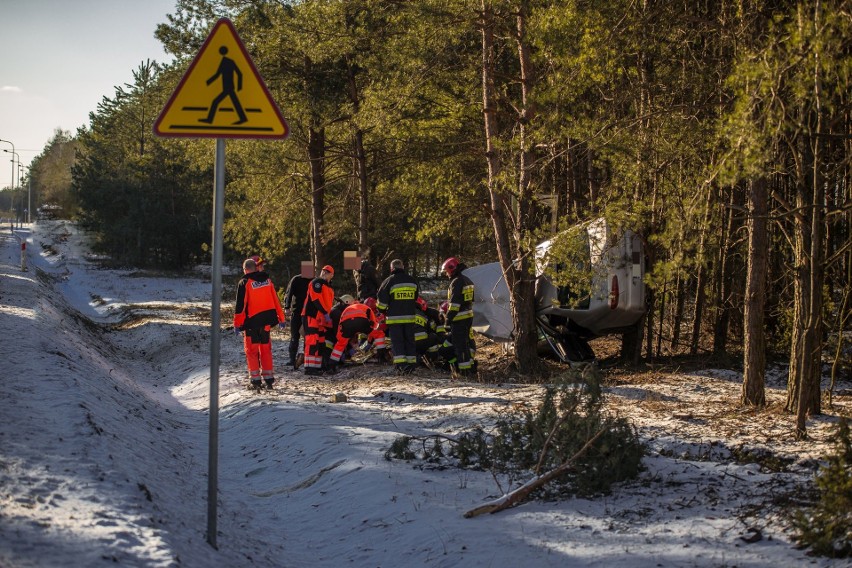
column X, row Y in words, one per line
column 609, row 300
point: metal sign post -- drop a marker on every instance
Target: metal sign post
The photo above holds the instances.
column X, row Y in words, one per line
column 195, row 110
column 215, row 338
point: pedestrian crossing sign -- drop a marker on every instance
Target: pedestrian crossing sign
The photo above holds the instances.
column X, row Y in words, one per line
column 221, row 95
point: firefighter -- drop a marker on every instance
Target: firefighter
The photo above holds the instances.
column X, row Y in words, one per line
column 426, row 320
column 459, row 313
column 397, row 298
column 357, row 318
column 317, row 318
column 294, row 301
column 257, row 310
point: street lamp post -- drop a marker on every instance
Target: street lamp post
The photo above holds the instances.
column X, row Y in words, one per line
column 24, row 210
column 19, row 214
column 13, row 161
column 29, row 195
column 15, row 158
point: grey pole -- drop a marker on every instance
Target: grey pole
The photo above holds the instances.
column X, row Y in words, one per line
column 13, row 161
column 215, row 336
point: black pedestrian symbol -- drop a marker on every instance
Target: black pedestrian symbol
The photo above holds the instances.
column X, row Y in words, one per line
column 227, row 70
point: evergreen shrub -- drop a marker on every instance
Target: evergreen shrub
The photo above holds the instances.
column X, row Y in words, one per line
column 524, row 443
column 827, row 526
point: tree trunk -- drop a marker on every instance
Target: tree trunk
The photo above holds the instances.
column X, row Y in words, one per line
column 363, row 194
column 723, row 284
column 754, row 355
column 316, row 156
column 521, row 285
column 489, row 112
column 517, row 262
column 701, row 277
column 803, row 396
column 523, row 289
column 662, row 318
column 677, row 315
column 359, row 165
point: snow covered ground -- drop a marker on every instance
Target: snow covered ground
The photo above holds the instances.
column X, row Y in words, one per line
column 104, row 437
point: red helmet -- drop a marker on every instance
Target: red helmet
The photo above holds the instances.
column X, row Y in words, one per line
column 328, row 268
column 450, row 265
column 259, row 262
column 422, row 303
column 371, row 303
column 445, row 305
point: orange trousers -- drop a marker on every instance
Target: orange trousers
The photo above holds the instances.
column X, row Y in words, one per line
column 259, row 358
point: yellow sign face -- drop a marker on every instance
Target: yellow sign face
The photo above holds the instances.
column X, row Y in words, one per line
column 221, row 95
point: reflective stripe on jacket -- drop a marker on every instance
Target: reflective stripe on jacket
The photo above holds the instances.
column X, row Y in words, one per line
column 426, row 322
column 460, row 296
column 319, row 300
column 397, row 297
column 357, row 310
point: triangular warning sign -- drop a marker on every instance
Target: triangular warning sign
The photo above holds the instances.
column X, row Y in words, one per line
column 221, row 95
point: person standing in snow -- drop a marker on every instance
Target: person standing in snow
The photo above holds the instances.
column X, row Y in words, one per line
column 366, row 280
column 257, row 310
column 459, row 317
column 294, row 302
column 397, row 299
column 317, row 317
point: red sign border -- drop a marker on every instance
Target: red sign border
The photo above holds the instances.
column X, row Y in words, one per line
column 179, row 88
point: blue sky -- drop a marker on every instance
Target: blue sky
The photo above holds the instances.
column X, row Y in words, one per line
column 60, row 58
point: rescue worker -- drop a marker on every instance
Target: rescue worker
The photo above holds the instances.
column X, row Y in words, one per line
column 426, row 320
column 446, row 351
column 316, row 315
column 357, row 318
column 294, row 301
column 331, row 333
column 366, row 280
column 257, row 310
column 460, row 313
column 260, row 264
column 397, row 298
column 377, row 339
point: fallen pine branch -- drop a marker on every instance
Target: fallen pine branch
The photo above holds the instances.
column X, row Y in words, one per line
column 521, row 493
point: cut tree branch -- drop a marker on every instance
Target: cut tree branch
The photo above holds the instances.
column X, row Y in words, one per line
column 521, row 493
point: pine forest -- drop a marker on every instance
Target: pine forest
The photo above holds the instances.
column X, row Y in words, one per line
column 718, row 131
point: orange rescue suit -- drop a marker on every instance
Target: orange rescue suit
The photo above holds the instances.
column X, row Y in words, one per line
column 317, row 321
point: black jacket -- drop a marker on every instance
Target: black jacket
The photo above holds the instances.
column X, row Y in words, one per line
column 397, row 297
column 366, row 281
column 297, row 291
column 251, row 317
column 460, row 296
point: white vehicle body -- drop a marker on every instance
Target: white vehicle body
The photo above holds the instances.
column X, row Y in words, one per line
column 615, row 303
